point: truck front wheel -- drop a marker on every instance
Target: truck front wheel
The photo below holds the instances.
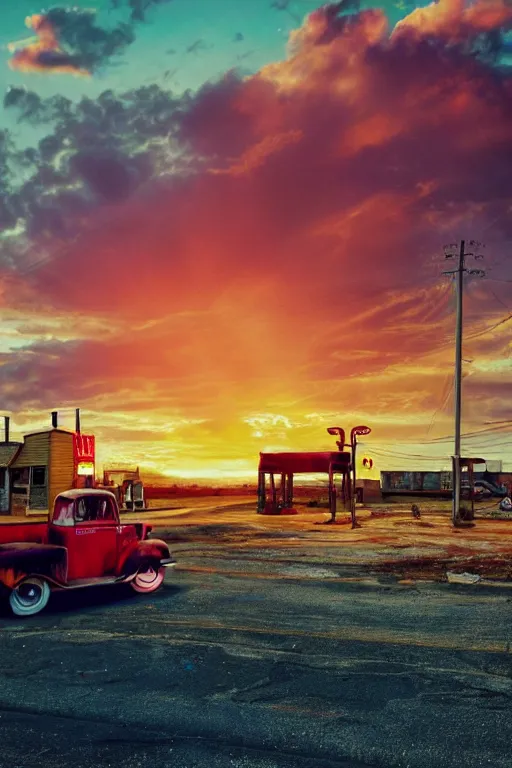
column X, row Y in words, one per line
column 29, row 597
column 149, row 577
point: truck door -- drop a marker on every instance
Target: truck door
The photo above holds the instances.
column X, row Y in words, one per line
column 92, row 550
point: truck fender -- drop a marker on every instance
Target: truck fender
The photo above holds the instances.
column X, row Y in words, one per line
column 19, row 560
column 154, row 549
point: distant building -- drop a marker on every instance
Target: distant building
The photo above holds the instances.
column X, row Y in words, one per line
column 437, row 483
column 417, row 482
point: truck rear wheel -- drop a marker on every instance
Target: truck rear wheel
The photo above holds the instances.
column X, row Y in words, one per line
column 149, row 577
column 29, row 597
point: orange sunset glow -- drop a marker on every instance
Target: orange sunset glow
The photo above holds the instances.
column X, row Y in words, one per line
column 234, row 269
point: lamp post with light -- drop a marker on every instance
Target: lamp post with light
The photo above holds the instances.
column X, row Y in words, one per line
column 354, row 432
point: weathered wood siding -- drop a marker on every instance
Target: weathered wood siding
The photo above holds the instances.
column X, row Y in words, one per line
column 4, row 491
column 62, row 467
column 35, row 451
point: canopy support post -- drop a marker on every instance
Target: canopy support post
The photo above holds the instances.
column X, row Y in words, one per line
column 261, row 492
column 273, row 489
column 332, row 495
column 282, row 490
column 289, row 494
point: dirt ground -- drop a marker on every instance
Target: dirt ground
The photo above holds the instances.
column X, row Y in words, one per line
column 389, row 539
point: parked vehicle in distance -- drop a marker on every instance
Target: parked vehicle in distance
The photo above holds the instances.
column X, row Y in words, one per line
column 83, row 544
column 494, row 490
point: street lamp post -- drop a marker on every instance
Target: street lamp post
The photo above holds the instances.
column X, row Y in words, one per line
column 354, row 432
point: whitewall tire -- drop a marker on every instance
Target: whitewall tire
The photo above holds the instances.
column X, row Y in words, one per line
column 148, row 579
column 29, row 597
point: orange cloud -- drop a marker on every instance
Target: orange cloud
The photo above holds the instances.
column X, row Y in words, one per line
column 43, row 54
column 455, row 20
column 257, row 154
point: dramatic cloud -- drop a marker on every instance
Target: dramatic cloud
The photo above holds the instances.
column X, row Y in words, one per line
column 34, row 110
column 100, row 151
column 68, row 41
column 268, row 250
column 454, row 21
column 43, row 53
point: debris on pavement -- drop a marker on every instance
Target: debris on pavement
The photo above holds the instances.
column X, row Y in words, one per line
column 463, row 578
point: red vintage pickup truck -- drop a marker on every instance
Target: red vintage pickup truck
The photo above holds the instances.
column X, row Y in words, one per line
column 83, row 544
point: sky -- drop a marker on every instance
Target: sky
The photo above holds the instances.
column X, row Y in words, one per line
column 223, row 227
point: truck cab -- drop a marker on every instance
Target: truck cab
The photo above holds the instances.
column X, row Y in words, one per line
column 88, row 525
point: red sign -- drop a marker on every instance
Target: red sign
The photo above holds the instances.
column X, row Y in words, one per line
column 83, row 447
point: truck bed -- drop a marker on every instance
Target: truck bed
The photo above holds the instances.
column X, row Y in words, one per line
column 23, row 531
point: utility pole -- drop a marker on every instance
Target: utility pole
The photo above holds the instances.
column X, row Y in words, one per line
column 459, row 290
column 456, row 478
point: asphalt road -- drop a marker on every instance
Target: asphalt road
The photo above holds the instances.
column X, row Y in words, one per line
column 260, row 664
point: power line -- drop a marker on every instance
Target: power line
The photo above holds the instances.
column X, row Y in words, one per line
column 495, row 428
column 440, row 407
column 477, row 334
column 419, row 459
column 422, row 458
column 482, row 332
column 475, row 433
column 402, row 454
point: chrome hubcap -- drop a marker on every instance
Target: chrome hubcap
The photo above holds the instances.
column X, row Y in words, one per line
column 28, row 594
column 147, row 576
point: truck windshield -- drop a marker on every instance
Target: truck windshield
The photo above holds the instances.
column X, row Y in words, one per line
column 94, row 509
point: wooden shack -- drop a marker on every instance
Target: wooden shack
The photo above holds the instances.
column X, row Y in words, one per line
column 43, row 468
column 50, row 461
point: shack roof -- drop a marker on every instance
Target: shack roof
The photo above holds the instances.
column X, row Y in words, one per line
column 50, row 429
column 7, row 453
column 297, row 463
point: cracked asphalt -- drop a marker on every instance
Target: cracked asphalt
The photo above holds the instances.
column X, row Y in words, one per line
column 261, row 656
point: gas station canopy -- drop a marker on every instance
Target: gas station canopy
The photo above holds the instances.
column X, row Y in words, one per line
column 295, row 463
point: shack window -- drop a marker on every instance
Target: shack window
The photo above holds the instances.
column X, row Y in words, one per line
column 21, row 476
column 94, row 509
column 2, row 477
column 39, row 476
